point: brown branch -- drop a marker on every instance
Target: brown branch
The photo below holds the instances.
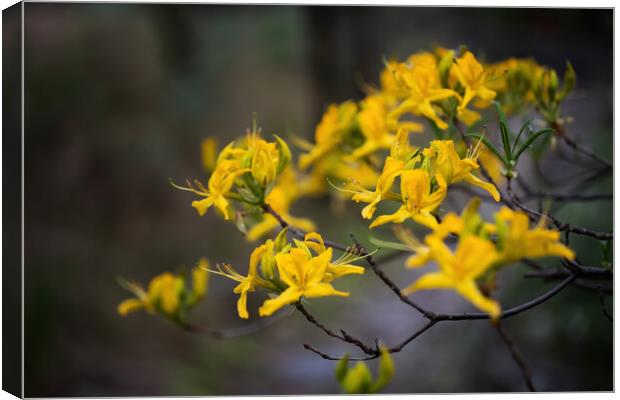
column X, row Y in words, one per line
column 394, row 349
column 514, row 310
column 569, row 197
column 585, row 272
column 345, row 337
column 585, row 151
column 516, row 355
column 560, row 225
column 388, row 282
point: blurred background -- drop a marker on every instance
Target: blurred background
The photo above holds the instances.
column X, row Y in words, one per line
column 118, row 98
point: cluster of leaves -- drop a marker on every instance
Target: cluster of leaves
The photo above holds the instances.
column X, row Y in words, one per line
column 359, row 380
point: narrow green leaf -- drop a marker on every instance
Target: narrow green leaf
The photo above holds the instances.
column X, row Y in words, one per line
column 386, row 371
column 284, row 153
column 525, row 126
column 531, row 140
column 358, row 379
column 503, row 127
column 387, row 244
column 570, row 80
column 342, row 367
column 500, row 112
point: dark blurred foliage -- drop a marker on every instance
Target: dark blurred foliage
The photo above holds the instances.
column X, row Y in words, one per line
column 118, row 97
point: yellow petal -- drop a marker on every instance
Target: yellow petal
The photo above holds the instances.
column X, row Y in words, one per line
column 317, row 267
column 433, row 280
column 469, row 117
column 422, row 256
column 338, row 270
column 268, row 224
column 289, row 296
column 315, row 241
column 202, row 205
column 242, row 305
column 323, row 289
column 129, row 306
column 415, row 185
column 425, row 218
column 470, row 291
column 398, row 217
column 489, row 187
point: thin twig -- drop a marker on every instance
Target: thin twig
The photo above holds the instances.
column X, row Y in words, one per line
column 230, row 333
column 511, row 311
column 388, row 282
column 516, row 355
column 585, row 151
column 394, row 349
column 569, row 197
column 560, row 225
column 585, row 272
column 345, row 337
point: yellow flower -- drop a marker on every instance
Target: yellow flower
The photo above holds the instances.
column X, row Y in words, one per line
column 459, row 270
column 304, row 275
column 336, row 269
column 517, row 241
column 446, row 162
column 391, row 170
column 419, row 201
column 472, row 76
column 469, row 222
column 335, row 123
column 283, row 194
column 421, row 82
column 251, row 281
column 163, row 296
column 390, row 88
column 290, row 272
column 267, row 159
column 377, row 128
column 165, row 293
column 264, row 160
column 219, row 185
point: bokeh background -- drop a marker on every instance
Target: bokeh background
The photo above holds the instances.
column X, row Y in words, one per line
column 118, row 98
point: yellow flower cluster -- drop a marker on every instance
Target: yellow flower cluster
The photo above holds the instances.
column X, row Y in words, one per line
column 436, row 85
column 289, row 272
column 482, row 248
column 365, row 146
column 439, row 87
column 523, row 82
column 424, row 179
column 168, row 294
column 250, row 165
